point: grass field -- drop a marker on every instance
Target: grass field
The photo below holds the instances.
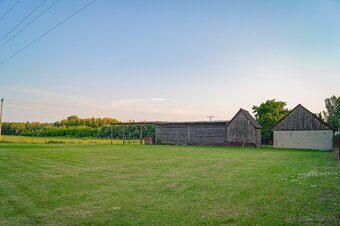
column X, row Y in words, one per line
column 66, row 140
column 62, row 184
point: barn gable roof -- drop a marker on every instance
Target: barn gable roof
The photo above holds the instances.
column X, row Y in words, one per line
column 248, row 116
column 300, row 118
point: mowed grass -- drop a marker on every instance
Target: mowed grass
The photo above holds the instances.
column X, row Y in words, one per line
column 62, row 184
column 66, row 140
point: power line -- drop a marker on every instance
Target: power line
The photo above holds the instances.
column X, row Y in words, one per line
column 41, row 36
column 27, row 107
column 45, row 109
column 53, row 107
column 23, row 109
column 9, row 10
column 28, row 15
column 72, row 110
column 33, row 110
column 18, row 32
column 58, row 110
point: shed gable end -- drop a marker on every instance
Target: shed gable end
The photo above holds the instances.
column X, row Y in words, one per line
column 300, row 119
column 241, row 131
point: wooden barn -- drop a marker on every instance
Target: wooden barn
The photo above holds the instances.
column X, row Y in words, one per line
column 243, row 130
column 191, row 133
column 302, row 129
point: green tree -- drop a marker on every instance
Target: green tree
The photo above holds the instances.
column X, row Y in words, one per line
column 72, row 126
column 268, row 114
column 320, row 115
column 332, row 113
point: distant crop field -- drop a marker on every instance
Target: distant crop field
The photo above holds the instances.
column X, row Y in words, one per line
column 63, row 184
column 65, row 140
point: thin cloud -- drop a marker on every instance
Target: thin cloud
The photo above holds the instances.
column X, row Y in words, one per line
column 134, row 101
column 157, row 99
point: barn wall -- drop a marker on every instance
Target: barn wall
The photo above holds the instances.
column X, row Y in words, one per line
column 308, row 139
column 191, row 133
column 207, row 134
column 172, row 134
column 258, row 136
column 240, row 132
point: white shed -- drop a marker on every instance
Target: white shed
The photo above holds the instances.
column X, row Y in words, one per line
column 302, row 129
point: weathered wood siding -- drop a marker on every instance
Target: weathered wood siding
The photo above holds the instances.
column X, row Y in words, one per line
column 241, row 132
column 172, row 133
column 300, row 119
column 207, row 134
column 200, row 133
column 258, row 136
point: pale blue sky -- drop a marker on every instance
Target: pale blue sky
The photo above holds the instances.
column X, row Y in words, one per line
column 169, row 60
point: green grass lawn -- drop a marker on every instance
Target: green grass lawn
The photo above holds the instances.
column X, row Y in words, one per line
column 66, row 140
column 64, row 184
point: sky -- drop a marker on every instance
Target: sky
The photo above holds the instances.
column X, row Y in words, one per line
column 167, row 60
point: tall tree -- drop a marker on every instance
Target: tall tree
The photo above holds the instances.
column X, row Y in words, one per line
column 332, row 113
column 268, row 114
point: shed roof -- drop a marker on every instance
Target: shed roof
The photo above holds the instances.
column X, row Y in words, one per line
column 248, row 116
column 191, row 122
column 300, row 118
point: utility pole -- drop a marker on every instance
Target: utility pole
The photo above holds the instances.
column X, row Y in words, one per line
column 2, row 103
column 210, row 117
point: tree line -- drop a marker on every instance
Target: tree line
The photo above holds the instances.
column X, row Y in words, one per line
column 74, row 126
